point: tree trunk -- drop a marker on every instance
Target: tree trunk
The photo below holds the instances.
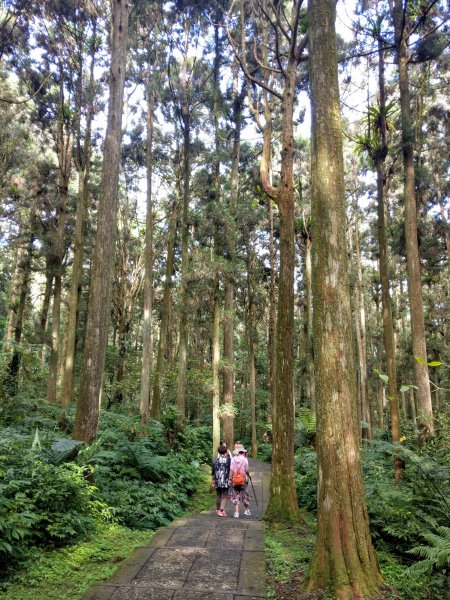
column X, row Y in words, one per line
column 84, row 168
column 283, row 497
column 311, row 385
column 147, row 333
column 183, row 309
column 424, row 405
column 361, row 341
column 155, row 410
column 18, row 298
column 43, row 319
column 57, row 262
column 228, row 316
column 17, row 281
column 215, row 360
column 388, row 327
column 88, row 406
column 271, row 355
column 252, row 343
column 344, row 558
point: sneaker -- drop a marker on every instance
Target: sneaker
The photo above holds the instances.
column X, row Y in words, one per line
column 222, row 513
column 247, row 512
column 218, row 512
column 236, row 515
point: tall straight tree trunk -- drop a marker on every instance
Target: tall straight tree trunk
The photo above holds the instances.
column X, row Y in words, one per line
column 271, row 355
column 388, row 326
column 84, row 168
column 43, row 316
column 64, row 152
column 17, row 280
column 58, row 254
column 344, row 558
column 252, row 343
column 88, row 405
column 18, row 298
column 215, row 350
column 283, row 497
column 215, row 360
column 228, row 316
column 311, row 385
column 183, row 310
column 155, row 409
column 424, row 405
column 147, row 333
column 360, row 330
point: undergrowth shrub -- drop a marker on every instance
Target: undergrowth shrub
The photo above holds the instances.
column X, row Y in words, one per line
column 42, row 503
column 54, row 490
column 305, row 466
column 265, row 452
column 401, row 513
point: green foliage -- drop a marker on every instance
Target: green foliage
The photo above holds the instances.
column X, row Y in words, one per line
column 265, row 452
column 288, row 552
column 401, row 513
column 435, row 555
column 305, row 465
column 305, row 427
column 63, row 490
column 66, row 573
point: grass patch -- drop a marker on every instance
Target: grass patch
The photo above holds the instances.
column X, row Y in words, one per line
column 67, row 573
column 204, row 497
column 288, row 553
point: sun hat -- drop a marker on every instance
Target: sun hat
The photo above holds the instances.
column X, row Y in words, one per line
column 240, row 448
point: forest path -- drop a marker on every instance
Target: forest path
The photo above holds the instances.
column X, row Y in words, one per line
column 201, row 557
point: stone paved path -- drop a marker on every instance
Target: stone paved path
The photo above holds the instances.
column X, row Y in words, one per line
column 202, row 557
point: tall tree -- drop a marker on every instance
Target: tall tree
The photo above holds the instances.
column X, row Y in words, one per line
column 147, row 329
column 88, row 405
column 230, row 276
column 344, row 558
column 289, row 45
column 402, row 27
column 83, row 166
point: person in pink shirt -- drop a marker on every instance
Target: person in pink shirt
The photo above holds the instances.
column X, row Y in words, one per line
column 238, row 475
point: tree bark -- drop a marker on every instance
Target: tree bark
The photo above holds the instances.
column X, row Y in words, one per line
column 344, row 558
column 283, row 497
column 215, row 357
column 183, row 310
column 228, row 316
column 43, row 318
column 252, row 343
column 17, row 303
column 271, row 356
column 388, row 327
column 311, row 385
column 84, row 168
column 88, row 406
column 361, row 341
column 147, row 330
column 215, row 360
column 155, row 410
column 419, row 347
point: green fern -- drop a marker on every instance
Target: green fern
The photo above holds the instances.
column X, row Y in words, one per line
column 435, row 556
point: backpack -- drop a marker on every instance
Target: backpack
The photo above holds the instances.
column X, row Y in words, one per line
column 221, row 467
column 239, row 477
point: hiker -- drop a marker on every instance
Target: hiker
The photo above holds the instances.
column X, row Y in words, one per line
column 238, row 475
column 236, row 444
column 220, row 474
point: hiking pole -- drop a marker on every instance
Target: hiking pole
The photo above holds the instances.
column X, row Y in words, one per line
column 253, row 488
